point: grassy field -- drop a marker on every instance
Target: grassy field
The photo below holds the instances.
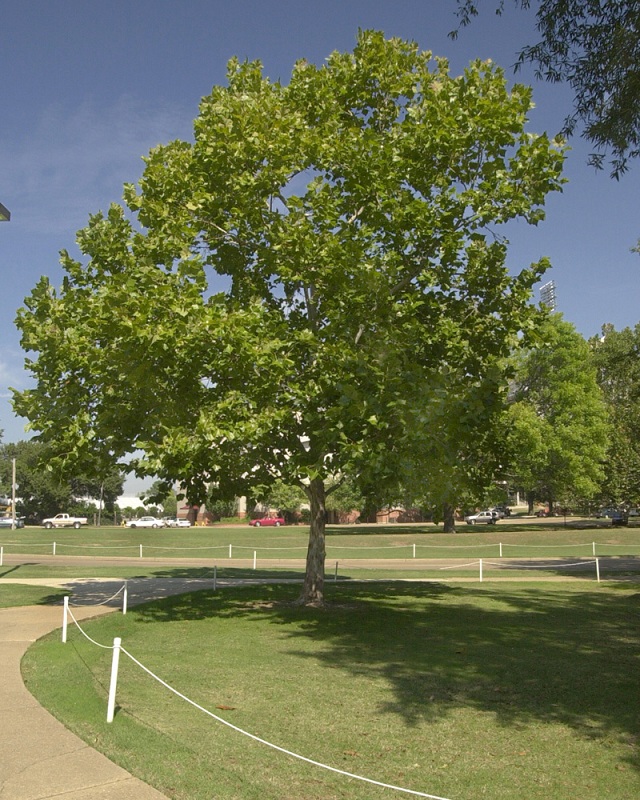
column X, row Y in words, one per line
column 383, row 541
column 392, row 552
column 19, row 595
column 464, row 691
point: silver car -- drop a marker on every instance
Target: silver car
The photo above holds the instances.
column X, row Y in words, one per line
column 145, row 522
column 489, row 517
column 175, row 522
column 7, row 522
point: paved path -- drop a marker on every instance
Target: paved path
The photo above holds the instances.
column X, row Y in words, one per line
column 39, row 757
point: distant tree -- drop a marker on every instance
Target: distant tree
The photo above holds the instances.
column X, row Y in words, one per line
column 557, row 423
column 347, row 496
column 287, row 499
column 457, row 449
column 161, row 494
column 352, row 214
column 43, row 491
column 107, row 488
column 616, row 355
column 594, row 46
column 40, row 491
column 222, row 508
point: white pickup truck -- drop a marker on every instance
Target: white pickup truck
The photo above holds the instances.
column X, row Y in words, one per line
column 64, row 521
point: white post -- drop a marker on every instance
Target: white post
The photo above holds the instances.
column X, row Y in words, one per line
column 54, row 548
column 140, row 551
column 598, row 569
column 593, row 547
column 64, row 618
column 111, row 705
column 414, row 551
column 255, row 555
column 480, row 570
column 215, row 577
column 230, row 550
column 1, row 555
column 335, row 574
column 124, row 599
column 500, row 549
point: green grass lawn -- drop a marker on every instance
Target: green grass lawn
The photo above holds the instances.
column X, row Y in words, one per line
column 383, row 541
column 504, row 691
column 193, row 553
column 20, row 595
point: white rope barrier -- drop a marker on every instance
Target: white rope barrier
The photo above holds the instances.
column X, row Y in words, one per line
column 86, row 635
column 117, row 648
column 195, row 547
column 270, row 744
column 249, row 547
column 548, row 546
column 457, row 546
column 97, row 546
column 330, row 546
column 103, row 602
column 554, row 565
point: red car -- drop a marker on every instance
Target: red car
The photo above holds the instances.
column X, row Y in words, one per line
column 258, row 523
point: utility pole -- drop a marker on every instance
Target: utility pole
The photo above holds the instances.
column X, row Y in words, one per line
column 13, row 494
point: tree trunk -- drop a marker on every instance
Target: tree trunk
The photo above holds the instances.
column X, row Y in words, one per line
column 449, row 518
column 313, row 588
column 530, row 500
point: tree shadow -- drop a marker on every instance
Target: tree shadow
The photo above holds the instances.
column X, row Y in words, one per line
column 382, row 529
column 527, row 655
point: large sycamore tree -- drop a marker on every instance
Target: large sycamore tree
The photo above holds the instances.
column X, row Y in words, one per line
column 277, row 299
column 593, row 46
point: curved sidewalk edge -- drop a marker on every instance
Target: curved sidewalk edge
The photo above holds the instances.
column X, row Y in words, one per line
column 39, row 757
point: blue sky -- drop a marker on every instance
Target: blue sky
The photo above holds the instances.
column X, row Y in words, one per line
column 89, row 87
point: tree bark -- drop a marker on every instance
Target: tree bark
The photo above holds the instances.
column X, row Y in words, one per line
column 530, row 500
column 313, row 587
column 449, row 518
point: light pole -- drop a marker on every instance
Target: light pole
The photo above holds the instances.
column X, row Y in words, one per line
column 13, row 494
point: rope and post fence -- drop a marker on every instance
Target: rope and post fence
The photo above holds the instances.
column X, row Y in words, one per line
column 117, row 649
column 415, row 550
column 66, row 612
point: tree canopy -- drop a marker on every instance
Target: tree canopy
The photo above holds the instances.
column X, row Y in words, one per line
column 594, row 46
column 616, row 355
column 285, row 294
column 557, row 423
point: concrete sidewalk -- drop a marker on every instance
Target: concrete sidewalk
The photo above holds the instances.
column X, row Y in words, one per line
column 39, row 757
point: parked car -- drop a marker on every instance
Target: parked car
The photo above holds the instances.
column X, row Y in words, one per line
column 606, row 512
column 7, row 522
column 174, row 522
column 619, row 517
column 489, row 517
column 264, row 521
column 502, row 511
column 64, row 521
column 145, row 522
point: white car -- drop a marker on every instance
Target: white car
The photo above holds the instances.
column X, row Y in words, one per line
column 174, row 522
column 489, row 517
column 145, row 522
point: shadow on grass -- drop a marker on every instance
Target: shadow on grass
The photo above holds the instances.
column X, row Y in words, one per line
column 526, row 655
